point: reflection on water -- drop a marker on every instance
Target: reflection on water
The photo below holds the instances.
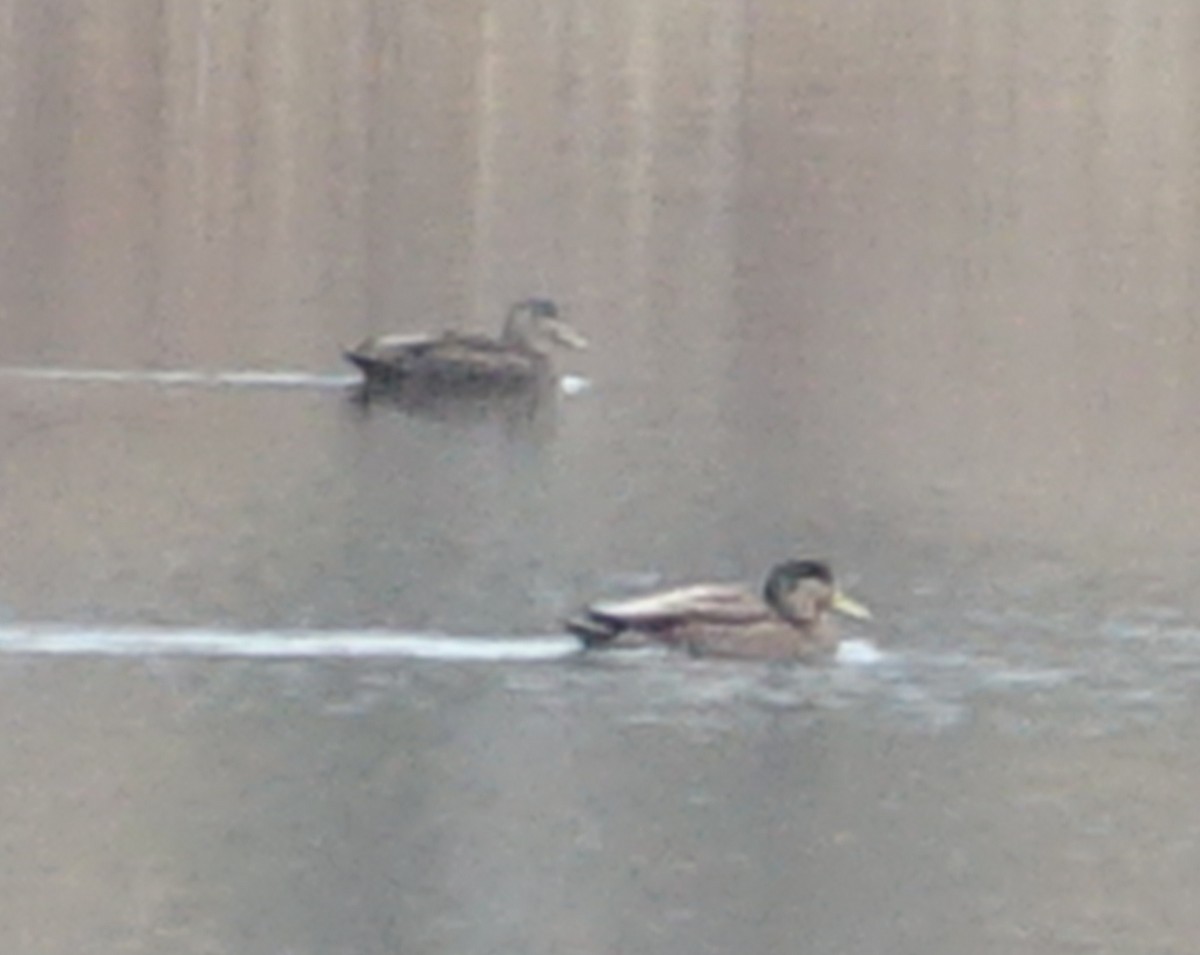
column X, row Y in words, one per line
column 905, row 286
column 519, row 408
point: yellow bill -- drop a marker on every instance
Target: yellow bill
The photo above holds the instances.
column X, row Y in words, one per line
column 564, row 334
column 850, row 607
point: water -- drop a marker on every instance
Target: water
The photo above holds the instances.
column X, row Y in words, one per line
column 905, row 287
column 277, row 644
column 184, row 378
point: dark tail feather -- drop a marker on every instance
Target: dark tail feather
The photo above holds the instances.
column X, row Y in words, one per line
column 593, row 631
column 364, row 364
column 375, row 372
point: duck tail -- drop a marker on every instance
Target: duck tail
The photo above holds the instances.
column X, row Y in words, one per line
column 375, row 372
column 592, row 630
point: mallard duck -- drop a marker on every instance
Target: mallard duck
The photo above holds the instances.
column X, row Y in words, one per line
column 785, row 621
column 455, row 360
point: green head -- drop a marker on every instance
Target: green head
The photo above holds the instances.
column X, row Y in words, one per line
column 801, row 591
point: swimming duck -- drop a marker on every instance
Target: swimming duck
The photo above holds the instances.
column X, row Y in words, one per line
column 785, row 621
column 458, row 361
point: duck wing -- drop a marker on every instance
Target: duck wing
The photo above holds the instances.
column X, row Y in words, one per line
column 708, row 603
column 451, row 355
column 391, row 349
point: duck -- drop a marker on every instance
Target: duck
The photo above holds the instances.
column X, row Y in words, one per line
column 518, row 359
column 785, row 621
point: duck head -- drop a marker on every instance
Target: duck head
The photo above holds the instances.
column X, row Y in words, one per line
column 534, row 324
column 802, row 591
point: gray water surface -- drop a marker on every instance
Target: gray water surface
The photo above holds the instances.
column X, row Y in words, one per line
column 910, row 287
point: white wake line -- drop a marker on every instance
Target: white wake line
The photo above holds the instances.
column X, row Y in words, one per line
column 76, row 641
column 568, row 384
column 59, row 640
column 184, row 378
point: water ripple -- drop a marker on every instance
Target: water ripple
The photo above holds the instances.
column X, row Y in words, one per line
column 183, row 377
column 62, row 640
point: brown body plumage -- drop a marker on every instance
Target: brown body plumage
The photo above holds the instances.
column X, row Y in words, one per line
column 785, row 621
column 469, row 363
